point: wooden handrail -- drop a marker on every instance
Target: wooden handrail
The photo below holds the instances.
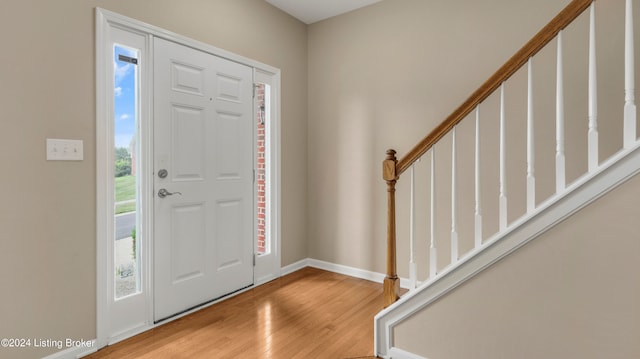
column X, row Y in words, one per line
column 392, row 168
column 543, row 37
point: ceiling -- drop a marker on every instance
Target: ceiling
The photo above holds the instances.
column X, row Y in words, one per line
column 310, row 11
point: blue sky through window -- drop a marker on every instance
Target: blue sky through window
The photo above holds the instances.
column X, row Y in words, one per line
column 125, row 97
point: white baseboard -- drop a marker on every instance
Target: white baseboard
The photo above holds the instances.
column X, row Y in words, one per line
column 294, row 267
column 75, row 352
column 129, row 333
column 340, row 269
column 346, row 270
column 396, row 353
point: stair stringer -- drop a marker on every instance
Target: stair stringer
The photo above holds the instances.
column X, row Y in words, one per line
column 609, row 175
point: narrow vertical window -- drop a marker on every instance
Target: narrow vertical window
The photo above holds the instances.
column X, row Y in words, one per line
column 263, row 93
column 126, row 248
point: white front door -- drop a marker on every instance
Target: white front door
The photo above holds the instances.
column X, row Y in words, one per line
column 203, row 159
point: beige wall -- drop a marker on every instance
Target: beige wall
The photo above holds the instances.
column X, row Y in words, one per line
column 382, row 77
column 47, row 216
column 572, row 293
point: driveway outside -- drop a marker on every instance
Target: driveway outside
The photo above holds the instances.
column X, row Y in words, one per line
column 125, row 223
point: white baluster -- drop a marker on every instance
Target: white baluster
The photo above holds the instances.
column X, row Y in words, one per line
column 560, row 156
column 413, row 270
column 478, row 207
column 433, row 252
column 593, row 95
column 503, row 164
column 454, row 200
column 531, row 179
column 629, row 83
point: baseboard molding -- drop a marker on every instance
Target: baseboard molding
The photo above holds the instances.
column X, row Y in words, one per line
column 128, row 334
column 340, row 269
column 294, row 267
column 75, row 352
column 396, row 353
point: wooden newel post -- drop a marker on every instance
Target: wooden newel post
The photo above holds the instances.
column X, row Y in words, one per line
column 391, row 282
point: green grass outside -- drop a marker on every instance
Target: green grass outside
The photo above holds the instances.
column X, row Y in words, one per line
column 125, row 191
column 125, row 208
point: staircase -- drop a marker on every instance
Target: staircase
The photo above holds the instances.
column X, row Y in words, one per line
column 551, row 144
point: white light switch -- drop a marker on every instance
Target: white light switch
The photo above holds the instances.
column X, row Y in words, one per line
column 64, row 150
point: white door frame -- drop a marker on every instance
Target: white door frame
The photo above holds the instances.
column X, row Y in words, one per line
column 106, row 21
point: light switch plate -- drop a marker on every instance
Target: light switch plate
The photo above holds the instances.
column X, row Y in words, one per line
column 64, row 150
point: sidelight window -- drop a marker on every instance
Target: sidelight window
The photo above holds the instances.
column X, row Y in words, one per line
column 126, row 153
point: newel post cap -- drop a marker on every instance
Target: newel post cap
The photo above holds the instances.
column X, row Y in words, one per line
column 389, row 166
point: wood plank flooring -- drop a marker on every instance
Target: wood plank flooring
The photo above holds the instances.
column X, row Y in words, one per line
column 307, row 314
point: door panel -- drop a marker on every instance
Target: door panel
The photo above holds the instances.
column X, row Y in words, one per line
column 203, row 133
column 187, row 141
column 187, row 78
column 188, row 246
column 229, row 149
column 229, row 88
column 229, row 253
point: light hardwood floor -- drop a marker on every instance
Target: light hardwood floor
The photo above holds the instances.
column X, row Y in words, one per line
column 307, row 314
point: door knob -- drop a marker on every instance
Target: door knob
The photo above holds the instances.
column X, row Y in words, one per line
column 162, row 193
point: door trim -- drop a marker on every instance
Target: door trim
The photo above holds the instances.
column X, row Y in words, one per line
column 106, row 307
column 105, row 22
